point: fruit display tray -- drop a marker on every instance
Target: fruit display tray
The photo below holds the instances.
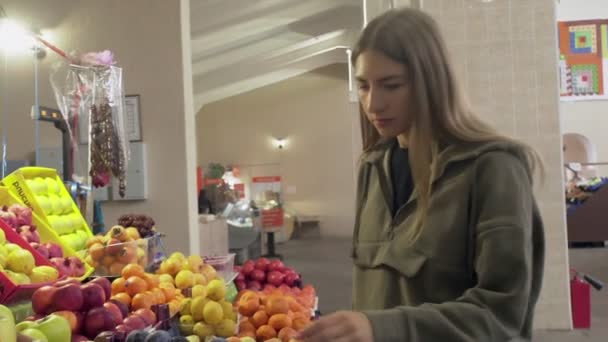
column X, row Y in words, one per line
column 9, row 291
column 57, row 210
column 44, row 231
column 121, row 254
column 223, row 265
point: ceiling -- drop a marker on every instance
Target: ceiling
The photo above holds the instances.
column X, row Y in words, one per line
column 241, row 45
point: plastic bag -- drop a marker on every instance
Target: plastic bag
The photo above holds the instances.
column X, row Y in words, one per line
column 93, row 91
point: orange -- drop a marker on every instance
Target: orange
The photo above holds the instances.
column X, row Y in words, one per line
column 277, row 305
column 169, row 291
column 152, row 280
column 300, row 323
column 123, row 298
column 248, row 307
column 246, row 295
column 141, row 301
column 159, row 296
column 135, row 285
column 280, row 321
column 133, row 270
column 286, row 334
column 259, row 318
column 266, row 332
column 118, row 285
column 246, row 326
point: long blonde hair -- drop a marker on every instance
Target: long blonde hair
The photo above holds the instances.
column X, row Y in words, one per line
column 441, row 116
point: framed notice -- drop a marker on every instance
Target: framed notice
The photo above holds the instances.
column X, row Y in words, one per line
column 133, row 117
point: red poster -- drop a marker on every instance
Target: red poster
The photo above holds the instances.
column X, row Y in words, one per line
column 239, row 188
column 213, row 181
column 272, row 218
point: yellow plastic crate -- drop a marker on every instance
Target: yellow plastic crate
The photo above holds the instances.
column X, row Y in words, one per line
column 44, row 231
column 43, row 191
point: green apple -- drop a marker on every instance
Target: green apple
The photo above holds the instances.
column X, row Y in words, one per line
column 21, row 261
column 55, row 328
column 35, row 335
column 8, row 332
column 40, row 185
column 25, row 325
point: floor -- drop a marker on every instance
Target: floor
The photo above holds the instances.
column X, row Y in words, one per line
column 325, row 263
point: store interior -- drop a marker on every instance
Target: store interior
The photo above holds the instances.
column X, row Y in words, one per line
column 236, row 131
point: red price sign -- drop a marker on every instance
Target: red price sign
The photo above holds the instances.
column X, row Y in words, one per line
column 272, row 218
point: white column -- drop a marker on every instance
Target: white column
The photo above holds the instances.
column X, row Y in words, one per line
column 189, row 128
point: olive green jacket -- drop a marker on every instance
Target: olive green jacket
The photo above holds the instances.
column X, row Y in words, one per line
column 474, row 273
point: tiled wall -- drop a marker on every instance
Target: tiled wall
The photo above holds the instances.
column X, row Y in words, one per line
column 505, row 52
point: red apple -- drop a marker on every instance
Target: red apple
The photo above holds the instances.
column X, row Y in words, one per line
column 291, row 279
column 94, row 296
column 275, row 278
column 134, row 322
column 262, row 264
column 79, row 338
column 254, row 285
column 124, row 308
column 98, row 320
column 240, row 285
column 66, row 282
column 68, row 297
column 240, row 276
column 42, row 299
column 248, row 267
column 115, row 311
column 105, row 285
column 275, row 265
column 147, row 315
column 71, row 317
column 258, row 275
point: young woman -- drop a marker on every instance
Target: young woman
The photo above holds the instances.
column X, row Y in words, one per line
column 448, row 244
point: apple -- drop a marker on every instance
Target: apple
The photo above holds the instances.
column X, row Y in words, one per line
column 254, row 285
column 275, row 265
column 134, row 322
column 258, row 275
column 147, row 315
column 67, row 281
column 68, row 297
column 34, row 334
column 292, row 279
column 105, row 285
column 262, row 264
column 54, row 328
column 97, row 320
column 94, row 296
column 115, row 311
column 8, row 331
column 79, row 338
column 275, row 278
column 240, row 276
column 33, row 317
column 240, row 285
column 42, row 299
column 124, row 308
column 248, row 267
column 55, row 250
column 72, row 319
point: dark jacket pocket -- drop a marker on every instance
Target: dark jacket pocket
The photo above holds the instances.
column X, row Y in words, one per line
column 407, row 261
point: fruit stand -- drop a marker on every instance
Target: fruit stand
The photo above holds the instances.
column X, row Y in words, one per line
column 122, row 286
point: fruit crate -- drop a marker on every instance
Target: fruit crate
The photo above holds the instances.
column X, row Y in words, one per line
column 44, row 231
column 223, row 265
column 9, row 291
column 43, row 191
column 111, row 259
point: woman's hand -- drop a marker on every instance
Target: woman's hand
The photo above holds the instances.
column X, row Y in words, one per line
column 342, row 326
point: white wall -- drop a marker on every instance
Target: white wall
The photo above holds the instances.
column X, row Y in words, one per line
column 589, row 118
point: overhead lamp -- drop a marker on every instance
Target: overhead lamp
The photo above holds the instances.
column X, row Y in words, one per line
column 280, row 143
column 15, row 39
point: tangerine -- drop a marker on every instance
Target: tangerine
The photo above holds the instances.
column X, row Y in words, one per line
column 300, row 323
column 159, row 296
column 246, row 326
column 280, row 321
column 248, row 307
column 259, row 318
column 123, row 298
column 152, row 280
column 133, row 270
column 135, row 285
column 169, row 290
column 266, row 332
column 277, row 305
column 141, row 301
column 286, row 334
column 118, row 286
